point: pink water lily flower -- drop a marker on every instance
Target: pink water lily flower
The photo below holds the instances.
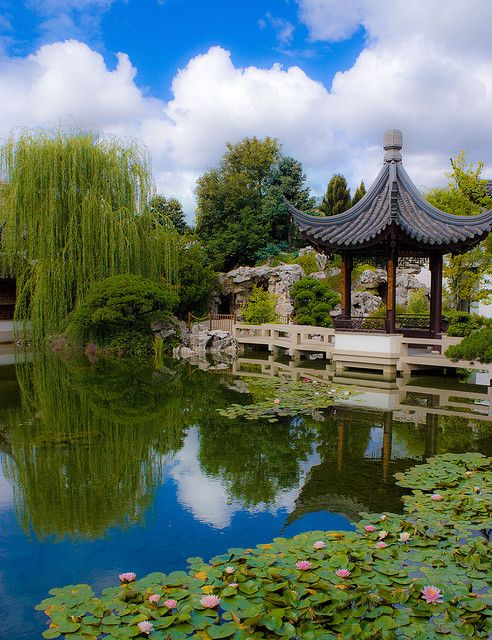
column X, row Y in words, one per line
column 233, row 584
column 129, row 576
column 436, row 496
column 276, row 401
column 404, row 536
column 145, row 627
column 209, row 602
column 155, row 597
column 431, row 594
column 319, row 544
column 229, row 570
column 342, row 573
column 381, row 544
column 171, row 604
column 476, row 489
column 304, row 565
column 370, row 528
column 382, row 534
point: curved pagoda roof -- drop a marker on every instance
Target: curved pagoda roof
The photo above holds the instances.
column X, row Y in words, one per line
column 393, row 213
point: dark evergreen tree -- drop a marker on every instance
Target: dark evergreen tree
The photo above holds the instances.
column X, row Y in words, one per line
column 359, row 193
column 169, row 209
column 337, row 196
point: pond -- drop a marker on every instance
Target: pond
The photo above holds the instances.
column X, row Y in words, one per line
column 111, row 467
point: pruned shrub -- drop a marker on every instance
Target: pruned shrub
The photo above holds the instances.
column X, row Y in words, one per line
column 463, row 323
column 477, row 345
column 313, row 301
column 118, row 313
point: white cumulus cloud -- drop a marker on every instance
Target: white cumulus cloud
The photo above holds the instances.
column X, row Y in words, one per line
column 424, row 70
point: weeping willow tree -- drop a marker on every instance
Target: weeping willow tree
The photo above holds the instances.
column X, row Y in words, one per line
column 77, row 211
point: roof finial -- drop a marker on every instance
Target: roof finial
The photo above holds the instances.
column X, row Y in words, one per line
column 392, row 143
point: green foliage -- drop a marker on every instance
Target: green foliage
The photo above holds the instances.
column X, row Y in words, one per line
column 265, row 593
column 465, row 275
column 308, row 263
column 197, row 279
column 418, row 303
column 240, row 206
column 476, row 346
column 260, row 307
column 275, row 398
column 469, row 181
column 169, row 210
column 277, row 254
column 360, row 192
column 463, row 323
column 118, row 312
column 76, row 213
column 313, row 301
column 337, row 196
column 271, row 250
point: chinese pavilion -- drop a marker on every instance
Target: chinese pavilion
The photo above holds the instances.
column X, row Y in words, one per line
column 391, row 226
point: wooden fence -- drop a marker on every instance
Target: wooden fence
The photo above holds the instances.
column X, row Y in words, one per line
column 215, row 321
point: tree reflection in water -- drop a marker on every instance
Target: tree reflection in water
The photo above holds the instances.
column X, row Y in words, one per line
column 86, row 449
column 86, row 446
column 256, row 459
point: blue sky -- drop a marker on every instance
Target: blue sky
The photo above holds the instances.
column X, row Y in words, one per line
column 161, row 36
column 326, row 77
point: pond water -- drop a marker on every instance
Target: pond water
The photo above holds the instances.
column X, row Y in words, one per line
column 107, row 468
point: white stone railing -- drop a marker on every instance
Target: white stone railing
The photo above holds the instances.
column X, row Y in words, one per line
column 292, row 337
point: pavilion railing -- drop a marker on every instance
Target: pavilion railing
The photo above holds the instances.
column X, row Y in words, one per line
column 412, row 321
column 378, row 324
column 367, row 324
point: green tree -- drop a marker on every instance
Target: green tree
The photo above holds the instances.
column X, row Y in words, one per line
column 313, row 301
column 466, row 275
column 169, row 209
column 360, row 192
column 240, row 206
column 119, row 310
column 467, row 278
column 260, row 307
column 337, row 196
column 76, row 212
column 463, row 323
column 197, row 279
column 287, row 180
column 477, row 345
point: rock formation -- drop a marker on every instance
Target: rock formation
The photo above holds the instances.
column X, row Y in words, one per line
column 236, row 287
column 201, row 340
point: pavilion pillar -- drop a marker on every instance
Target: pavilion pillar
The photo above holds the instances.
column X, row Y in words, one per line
column 346, row 286
column 391, row 264
column 435, row 267
column 340, row 446
column 386, row 448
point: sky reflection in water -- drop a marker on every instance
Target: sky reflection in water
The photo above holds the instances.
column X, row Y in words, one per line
column 110, row 468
